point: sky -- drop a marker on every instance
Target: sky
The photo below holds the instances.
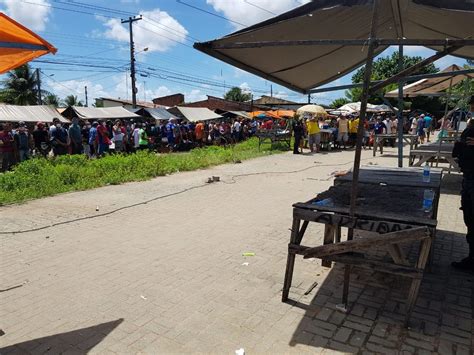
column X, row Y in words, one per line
column 93, row 47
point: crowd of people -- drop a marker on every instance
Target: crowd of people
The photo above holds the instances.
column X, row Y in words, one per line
column 19, row 142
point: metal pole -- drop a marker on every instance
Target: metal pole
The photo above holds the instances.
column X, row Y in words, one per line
column 271, row 90
column 38, row 83
column 132, row 58
column 309, row 98
column 400, row 108
column 360, row 133
column 85, row 92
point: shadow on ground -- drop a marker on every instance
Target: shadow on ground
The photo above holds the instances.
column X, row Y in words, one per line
column 451, row 184
column 442, row 320
column 79, row 341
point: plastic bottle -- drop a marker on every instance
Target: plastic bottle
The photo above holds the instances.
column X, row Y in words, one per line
column 426, row 173
column 428, row 197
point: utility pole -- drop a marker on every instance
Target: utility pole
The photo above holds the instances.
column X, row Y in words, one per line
column 38, row 83
column 309, row 98
column 271, row 90
column 85, row 91
column 130, row 21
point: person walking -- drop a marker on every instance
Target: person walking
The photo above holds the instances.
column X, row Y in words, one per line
column 93, row 139
column 342, row 130
column 59, row 139
column 6, row 147
column 22, row 140
column 464, row 152
column 298, row 132
column 41, row 140
column 118, row 135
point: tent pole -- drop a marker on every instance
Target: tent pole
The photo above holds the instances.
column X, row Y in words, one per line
column 440, row 139
column 400, row 108
column 360, row 132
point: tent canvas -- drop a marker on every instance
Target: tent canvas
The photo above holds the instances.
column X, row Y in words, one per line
column 303, row 67
column 19, row 45
column 95, row 113
column 14, row 113
column 160, row 114
column 194, row 114
column 432, row 86
column 355, row 107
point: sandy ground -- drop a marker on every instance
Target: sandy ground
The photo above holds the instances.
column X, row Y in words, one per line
column 168, row 275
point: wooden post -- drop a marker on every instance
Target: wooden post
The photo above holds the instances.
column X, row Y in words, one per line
column 400, row 108
column 360, row 133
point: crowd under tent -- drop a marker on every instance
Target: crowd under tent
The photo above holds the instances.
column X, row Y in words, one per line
column 19, row 45
column 433, row 86
column 99, row 113
column 194, row 114
column 29, row 114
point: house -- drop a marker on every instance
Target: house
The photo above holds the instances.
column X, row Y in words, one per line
column 216, row 103
column 169, row 100
column 110, row 102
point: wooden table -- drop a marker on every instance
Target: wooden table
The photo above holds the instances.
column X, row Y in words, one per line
column 382, row 209
column 274, row 136
column 434, row 153
column 379, row 140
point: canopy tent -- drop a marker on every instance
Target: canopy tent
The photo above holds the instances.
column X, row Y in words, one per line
column 237, row 114
column 282, row 49
column 19, row 45
column 284, row 113
column 99, row 113
column 316, row 110
column 432, row 86
column 159, row 113
column 13, row 113
column 354, row 107
column 264, row 114
column 195, row 114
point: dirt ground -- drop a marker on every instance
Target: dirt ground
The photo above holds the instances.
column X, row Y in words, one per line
column 157, row 267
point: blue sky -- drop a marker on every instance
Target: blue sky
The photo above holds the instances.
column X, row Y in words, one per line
column 93, row 46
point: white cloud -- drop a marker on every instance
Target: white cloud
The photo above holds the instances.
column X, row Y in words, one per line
column 194, row 95
column 245, row 87
column 247, row 14
column 29, row 15
column 76, row 88
column 158, row 31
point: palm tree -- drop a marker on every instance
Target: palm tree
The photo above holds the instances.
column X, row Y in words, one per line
column 72, row 100
column 21, row 87
column 52, row 100
column 237, row 94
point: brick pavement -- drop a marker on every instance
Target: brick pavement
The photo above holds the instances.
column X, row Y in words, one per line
column 169, row 276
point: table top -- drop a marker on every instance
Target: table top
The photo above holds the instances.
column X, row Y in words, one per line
column 434, row 147
column 376, row 202
column 412, row 176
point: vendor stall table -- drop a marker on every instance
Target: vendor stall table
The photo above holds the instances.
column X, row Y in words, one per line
column 274, row 136
column 380, row 139
column 434, row 153
column 381, row 208
column 326, row 138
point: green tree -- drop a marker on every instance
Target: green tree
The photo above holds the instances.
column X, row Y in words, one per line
column 21, row 87
column 72, row 100
column 384, row 68
column 339, row 102
column 52, row 100
column 236, row 94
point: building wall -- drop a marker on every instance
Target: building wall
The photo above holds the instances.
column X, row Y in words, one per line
column 170, row 100
column 214, row 103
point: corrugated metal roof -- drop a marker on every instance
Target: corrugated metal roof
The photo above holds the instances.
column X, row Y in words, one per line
column 14, row 113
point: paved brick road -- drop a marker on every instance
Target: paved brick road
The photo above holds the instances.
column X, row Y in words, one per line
column 169, row 276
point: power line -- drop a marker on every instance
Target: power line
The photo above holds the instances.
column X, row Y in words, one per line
column 209, row 12
column 66, row 9
column 259, row 7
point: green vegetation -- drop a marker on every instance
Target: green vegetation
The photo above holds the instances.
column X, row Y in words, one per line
column 40, row 177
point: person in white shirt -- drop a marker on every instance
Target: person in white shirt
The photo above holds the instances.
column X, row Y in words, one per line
column 236, row 131
column 388, row 125
column 136, row 136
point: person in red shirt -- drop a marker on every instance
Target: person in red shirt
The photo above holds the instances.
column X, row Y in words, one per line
column 6, row 147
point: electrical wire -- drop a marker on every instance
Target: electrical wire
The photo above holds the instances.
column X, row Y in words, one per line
column 209, row 13
column 259, row 7
column 233, row 177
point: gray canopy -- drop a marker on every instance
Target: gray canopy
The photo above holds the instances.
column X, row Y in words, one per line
column 303, row 67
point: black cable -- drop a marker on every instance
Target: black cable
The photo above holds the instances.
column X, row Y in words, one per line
column 209, row 12
column 165, row 196
column 104, row 213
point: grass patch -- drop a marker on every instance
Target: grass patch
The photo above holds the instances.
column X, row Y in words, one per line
column 39, row 177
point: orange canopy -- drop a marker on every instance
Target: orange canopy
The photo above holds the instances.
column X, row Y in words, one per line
column 19, row 45
column 260, row 114
column 283, row 113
